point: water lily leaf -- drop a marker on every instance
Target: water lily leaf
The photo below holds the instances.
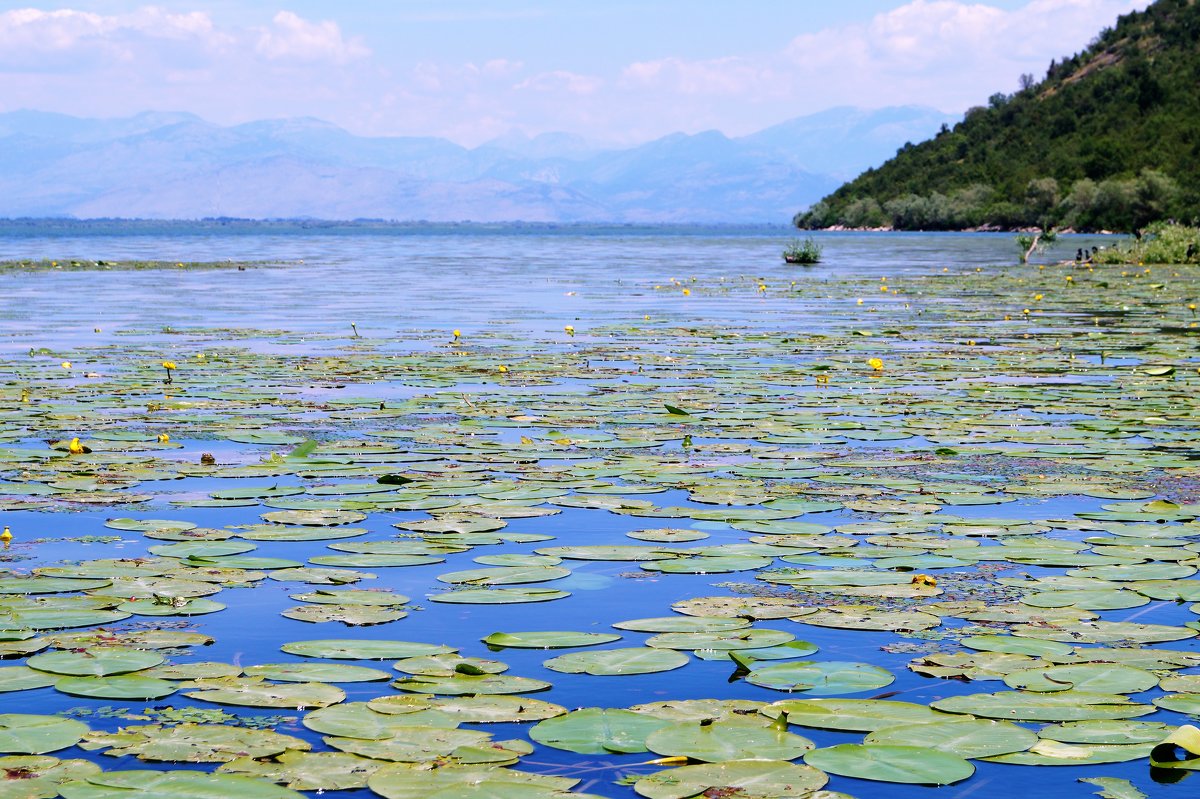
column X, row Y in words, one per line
column 406, row 781
column 120, row 686
column 1054, row 753
column 358, row 720
column 352, row 597
column 40, row 776
column 172, row 606
column 668, row 624
column 914, row 765
column 499, row 596
column 98, row 662
column 22, row 678
column 149, row 525
column 350, row 615
column 617, row 552
column 464, row 684
column 627, row 660
column 176, row 784
column 1102, row 632
column 47, row 585
column 28, row 734
column 595, row 731
column 366, row 649
column 314, row 517
column 449, row 665
column 1114, row 788
column 369, row 561
column 254, row 692
column 966, row 738
column 1017, row 646
column 1097, row 678
column 308, row 771
column 1059, row 706
column 414, row 744
column 1106, row 732
column 195, row 743
column 863, row 618
column 315, row 672
column 820, row 678
column 749, row 638
column 718, row 741
column 762, row 779
column 854, row 715
column 548, row 639
column 505, row 575
column 1184, row 740
column 743, row 607
column 471, row 709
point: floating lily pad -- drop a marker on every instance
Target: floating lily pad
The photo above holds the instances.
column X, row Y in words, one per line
column 820, row 678
column 762, row 779
column 366, row 649
column 595, row 731
column 914, row 765
column 27, row 734
column 627, row 660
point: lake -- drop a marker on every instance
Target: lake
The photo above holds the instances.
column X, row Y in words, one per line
column 916, row 473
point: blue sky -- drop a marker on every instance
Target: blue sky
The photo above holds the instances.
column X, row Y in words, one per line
column 613, row 71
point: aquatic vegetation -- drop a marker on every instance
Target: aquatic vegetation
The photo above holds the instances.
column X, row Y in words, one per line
column 703, row 551
column 801, row 252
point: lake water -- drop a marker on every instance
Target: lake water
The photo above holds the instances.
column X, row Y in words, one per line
column 349, row 336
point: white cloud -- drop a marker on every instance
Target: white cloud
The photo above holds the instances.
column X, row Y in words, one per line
column 293, row 38
column 729, row 76
column 560, row 80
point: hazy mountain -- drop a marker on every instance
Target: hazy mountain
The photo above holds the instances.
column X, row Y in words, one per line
column 176, row 165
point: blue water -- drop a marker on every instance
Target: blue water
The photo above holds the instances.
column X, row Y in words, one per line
column 404, row 291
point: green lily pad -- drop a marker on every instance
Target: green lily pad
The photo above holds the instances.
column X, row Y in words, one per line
column 718, row 741
column 820, row 678
column 176, row 784
column 97, row 663
column 120, row 686
column 913, row 765
column 315, row 672
column 761, row 779
column 28, row 734
column 595, row 731
column 366, row 649
column 626, row 660
column 254, row 692
column 548, row 639
column 966, row 738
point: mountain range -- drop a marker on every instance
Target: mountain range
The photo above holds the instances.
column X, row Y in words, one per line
column 159, row 165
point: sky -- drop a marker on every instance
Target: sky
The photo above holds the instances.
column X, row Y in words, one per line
column 612, row 71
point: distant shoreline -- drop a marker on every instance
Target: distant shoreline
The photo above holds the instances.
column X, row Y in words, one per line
column 26, row 226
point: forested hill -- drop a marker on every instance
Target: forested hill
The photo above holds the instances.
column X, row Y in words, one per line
column 1109, row 139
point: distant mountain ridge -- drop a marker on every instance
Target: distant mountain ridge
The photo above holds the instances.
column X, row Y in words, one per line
column 162, row 165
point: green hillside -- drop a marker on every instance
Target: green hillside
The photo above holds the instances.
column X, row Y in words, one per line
column 1108, row 140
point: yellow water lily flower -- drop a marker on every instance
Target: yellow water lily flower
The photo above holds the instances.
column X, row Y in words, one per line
column 66, row 364
column 876, row 364
column 457, row 334
column 502, row 369
column 7, row 535
column 75, row 448
column 687, row 292
column 163, row 438
column 570, row 329
column 924, row 579
column 168, row 365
